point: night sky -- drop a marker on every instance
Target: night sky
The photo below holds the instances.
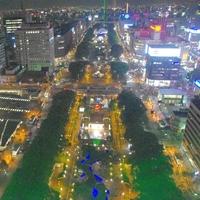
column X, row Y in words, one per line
column 9, row 4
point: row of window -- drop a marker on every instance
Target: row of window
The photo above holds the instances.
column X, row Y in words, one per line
column 192, row 131
column 190, row 138
column 34, row 32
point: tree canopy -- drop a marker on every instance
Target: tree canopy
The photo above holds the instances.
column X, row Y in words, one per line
column 152, row 169
column 112, row 35
column 84, row 48
column 30, row 181
column 118, row 69
column 116, row 50
column 77, row 69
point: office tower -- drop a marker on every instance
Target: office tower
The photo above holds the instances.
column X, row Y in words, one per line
column 35, row 47
column 63, row 40
column 192, row 131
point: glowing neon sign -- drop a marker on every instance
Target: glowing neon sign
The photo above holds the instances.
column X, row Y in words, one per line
column 156, row 28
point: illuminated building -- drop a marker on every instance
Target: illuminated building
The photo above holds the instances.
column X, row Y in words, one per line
column 2, row 56
column 63, row 41
column 35, row 47
column 192, row 136
column 12, row 24
column 67, row 36
column 162, row 64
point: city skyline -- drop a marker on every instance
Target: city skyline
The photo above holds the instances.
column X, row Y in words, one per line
column 99, row 103
column 28, row 4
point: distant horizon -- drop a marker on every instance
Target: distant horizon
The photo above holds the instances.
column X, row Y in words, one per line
column 36, row 4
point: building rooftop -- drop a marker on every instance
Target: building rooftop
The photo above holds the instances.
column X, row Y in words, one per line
column 182, row 114
column 64, row 28
column 171, row 91
column 163, row 46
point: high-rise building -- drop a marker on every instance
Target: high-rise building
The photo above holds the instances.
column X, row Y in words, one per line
column 35, row 47
column 2, row 36
column 192, row 131
column 63, row 40
column 163, row 64
column 1, row 20
column 2, row 56
column 12, row 24
column 13, row 21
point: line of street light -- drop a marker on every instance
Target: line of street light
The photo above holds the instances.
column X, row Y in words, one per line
column 14, row 110
column 14, row 99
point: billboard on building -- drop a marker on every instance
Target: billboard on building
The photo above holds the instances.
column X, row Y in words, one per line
column 191, row 30
column 164, row 52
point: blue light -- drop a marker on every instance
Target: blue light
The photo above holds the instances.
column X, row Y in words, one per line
column 90, row 168
column 98, row 178
column 176, row 63
column 108, row 192
column 87, row 156
column 194, row 28
column 95, row 192
column 82, row 162
column 197, row 83
column 126, row 16
column 83, row 174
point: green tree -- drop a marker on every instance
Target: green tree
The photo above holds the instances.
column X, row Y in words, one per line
column 118, row 69
column 30, row 181
column 84, row 48
column 77, row 69
column 116, row 50
column 112, row 35
column 152, row 170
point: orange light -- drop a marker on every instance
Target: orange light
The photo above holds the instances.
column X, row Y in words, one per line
column 7, row 157
column 97, row 107
column 156, row 28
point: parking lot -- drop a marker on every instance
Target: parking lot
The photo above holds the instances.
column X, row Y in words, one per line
column 15, row 107
column 7, row 127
